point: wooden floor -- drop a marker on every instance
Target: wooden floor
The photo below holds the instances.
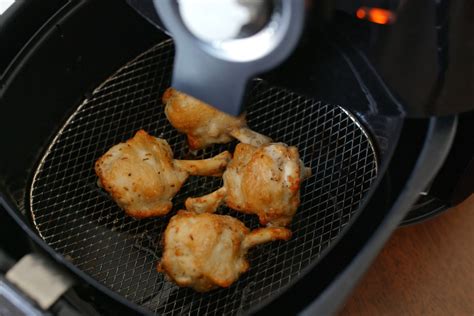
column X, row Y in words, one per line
column 425, row 269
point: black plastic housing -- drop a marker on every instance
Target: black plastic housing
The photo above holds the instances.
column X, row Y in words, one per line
column 424, row 58
column 85, row 41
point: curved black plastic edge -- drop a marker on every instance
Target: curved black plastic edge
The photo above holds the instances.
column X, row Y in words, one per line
column 27, row 45
column 301, row 292
column 317, row 293
column 428, row 210
column 9, row 207
column 147, row 10
column 437, row 144
column 134, row 309
column 122, row 306
column 19, row 22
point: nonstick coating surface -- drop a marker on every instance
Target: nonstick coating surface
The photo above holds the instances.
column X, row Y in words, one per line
column 82, row 223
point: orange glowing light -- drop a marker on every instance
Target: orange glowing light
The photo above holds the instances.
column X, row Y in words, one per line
column 361, row 13
column 376, row 15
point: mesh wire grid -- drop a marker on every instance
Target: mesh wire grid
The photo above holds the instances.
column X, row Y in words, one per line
column 82, row 223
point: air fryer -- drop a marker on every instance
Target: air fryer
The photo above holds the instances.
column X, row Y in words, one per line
column 373, row 109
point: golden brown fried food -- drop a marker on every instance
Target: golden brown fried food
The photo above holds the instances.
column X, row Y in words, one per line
column 142, row 176
column 206, row 251
column 205, row 125
column 259, row 180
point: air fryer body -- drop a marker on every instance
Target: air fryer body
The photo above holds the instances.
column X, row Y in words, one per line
column 60, row 56
column 417, row 58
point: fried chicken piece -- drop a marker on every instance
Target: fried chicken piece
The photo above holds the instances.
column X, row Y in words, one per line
column 205, row 125
column 259, row 180
column 206, row 251
column 142, row 176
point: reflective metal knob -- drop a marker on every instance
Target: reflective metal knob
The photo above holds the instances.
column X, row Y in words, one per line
column 218, row 20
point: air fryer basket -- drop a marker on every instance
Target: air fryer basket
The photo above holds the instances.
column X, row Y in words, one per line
column 71, row 114
column 83, row 224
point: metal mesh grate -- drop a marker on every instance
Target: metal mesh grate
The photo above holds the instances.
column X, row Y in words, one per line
column 80, row 221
